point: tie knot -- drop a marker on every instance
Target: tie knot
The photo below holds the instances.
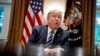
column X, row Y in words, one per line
column 52, row 32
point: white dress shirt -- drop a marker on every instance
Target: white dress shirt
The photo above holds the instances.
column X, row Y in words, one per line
column 49, row 32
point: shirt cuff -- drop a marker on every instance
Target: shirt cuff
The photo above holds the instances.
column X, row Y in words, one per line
column 46, row 49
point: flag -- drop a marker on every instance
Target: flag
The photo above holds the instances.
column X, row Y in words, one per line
column 33, row 17
column 69, row 13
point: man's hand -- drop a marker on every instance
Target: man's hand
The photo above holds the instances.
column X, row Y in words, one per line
column 53, row 51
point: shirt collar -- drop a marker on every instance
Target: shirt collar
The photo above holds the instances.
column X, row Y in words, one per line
column 49, row 30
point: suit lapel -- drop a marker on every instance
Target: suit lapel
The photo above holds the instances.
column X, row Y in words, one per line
column 58, row 36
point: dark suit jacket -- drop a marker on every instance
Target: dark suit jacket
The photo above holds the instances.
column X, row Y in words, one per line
column 39, row 36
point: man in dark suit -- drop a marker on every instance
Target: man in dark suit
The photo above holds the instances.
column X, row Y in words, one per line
column 40, row 36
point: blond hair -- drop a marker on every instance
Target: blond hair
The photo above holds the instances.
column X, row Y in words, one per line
column 54, row 11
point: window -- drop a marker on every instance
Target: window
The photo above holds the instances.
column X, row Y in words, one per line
column 97, row 30
column 1, row 17
column 5, row 9
column 97, row 26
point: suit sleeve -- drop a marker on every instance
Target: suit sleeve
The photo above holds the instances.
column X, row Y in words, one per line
column 66, row 42
column 34, row 36
column 31, row 46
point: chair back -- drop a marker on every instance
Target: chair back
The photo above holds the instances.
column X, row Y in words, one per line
column 98, row 51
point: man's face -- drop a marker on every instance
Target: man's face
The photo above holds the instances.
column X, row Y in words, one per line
column 54, row 20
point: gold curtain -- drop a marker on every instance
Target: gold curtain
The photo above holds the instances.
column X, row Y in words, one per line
column 18, row 10
column 88, row 11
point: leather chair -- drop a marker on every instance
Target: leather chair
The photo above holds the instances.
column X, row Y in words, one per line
column 3, row 43
column 98, row 51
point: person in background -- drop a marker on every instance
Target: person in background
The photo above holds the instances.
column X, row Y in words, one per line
column 41, row 36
